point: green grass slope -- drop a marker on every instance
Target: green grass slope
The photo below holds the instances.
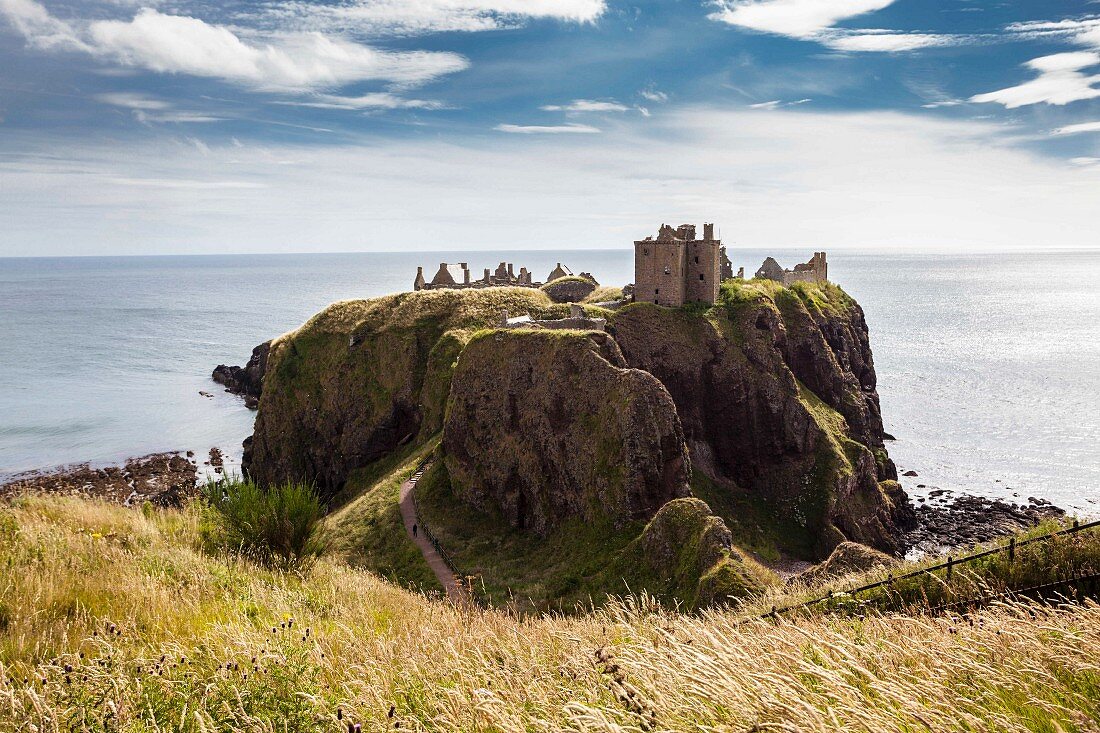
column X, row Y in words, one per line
column 112, row 620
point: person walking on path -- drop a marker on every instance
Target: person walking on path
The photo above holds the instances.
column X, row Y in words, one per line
column 430, row 551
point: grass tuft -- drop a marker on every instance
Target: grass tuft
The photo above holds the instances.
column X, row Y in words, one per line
column 276, row 525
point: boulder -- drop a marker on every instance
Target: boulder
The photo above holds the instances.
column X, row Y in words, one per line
column 847, row 558
column 569, row 289
column 690, row 556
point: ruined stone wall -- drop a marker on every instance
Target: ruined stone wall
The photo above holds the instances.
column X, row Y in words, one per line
column 659, row 272
column 702, row 273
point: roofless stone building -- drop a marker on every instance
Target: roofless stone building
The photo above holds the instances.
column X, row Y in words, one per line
column 676, row 268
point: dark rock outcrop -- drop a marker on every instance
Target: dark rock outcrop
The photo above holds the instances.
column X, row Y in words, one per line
column 246, row 381
column 951, row 520
column 545, row 426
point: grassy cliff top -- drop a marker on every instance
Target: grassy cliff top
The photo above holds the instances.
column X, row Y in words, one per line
column 111, row 617
column 471, row 307
column 474, row 307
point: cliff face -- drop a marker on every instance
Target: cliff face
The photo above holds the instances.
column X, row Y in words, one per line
column 362, row 378
column 745, row 377
column 549, row 425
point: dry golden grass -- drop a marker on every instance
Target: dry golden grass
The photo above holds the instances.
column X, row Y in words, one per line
column 112, row 621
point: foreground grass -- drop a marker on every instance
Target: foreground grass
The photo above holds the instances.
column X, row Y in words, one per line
column 111, row 620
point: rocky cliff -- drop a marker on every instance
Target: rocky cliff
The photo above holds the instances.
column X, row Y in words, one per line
column 546, row 425
column 775, row 388
column 764, row 405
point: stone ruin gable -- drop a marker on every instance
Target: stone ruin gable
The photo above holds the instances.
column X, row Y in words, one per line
column 577, row 321
column 448, row 275
column 676, row 268
column 458, row 276
column 816, row 270
column 726, row 267
column 558, row 272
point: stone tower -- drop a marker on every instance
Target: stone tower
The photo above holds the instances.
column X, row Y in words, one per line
column 676, row 268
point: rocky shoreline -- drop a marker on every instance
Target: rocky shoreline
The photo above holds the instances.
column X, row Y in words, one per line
column 947, row 520
column 163, row 479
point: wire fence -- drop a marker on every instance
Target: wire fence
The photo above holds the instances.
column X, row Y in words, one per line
column 949, row 566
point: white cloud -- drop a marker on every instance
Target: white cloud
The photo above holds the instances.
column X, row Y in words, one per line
column 431, row 16
column 586, row 105
column 178, row 44
column 148, row 110
column 1084, row 31
column 1060, row 81
column 795, row 18
column 548, row 129
column 888, row 41
column 133, row 101
column 653, row 95
column 777, row 103
column 771, row 179
column 375, row 100
column 177, row 183
column 41, row 29
column 943, row 103
column 183, row 45
column 813, row 20
column 1079, row 127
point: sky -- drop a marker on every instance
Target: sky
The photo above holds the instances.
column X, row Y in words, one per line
column 192, row 126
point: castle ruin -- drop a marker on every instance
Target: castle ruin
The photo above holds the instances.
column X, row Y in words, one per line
column 451, row 276
column 814, row 271
column 676, row 268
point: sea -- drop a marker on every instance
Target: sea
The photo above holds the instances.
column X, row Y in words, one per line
column 988, row 364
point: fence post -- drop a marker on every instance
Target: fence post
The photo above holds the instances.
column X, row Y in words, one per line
column 950, row 563
column 1012, row 550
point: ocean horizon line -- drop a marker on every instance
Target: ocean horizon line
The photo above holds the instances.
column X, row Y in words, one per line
column 860, row 250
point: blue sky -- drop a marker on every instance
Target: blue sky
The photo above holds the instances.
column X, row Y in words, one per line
column 131, row 127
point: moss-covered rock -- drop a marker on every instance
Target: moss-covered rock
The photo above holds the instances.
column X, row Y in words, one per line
column 686, row 553
column 547, row 425
column 363, row 377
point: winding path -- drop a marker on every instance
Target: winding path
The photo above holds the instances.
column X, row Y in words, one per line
column 408, row 513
